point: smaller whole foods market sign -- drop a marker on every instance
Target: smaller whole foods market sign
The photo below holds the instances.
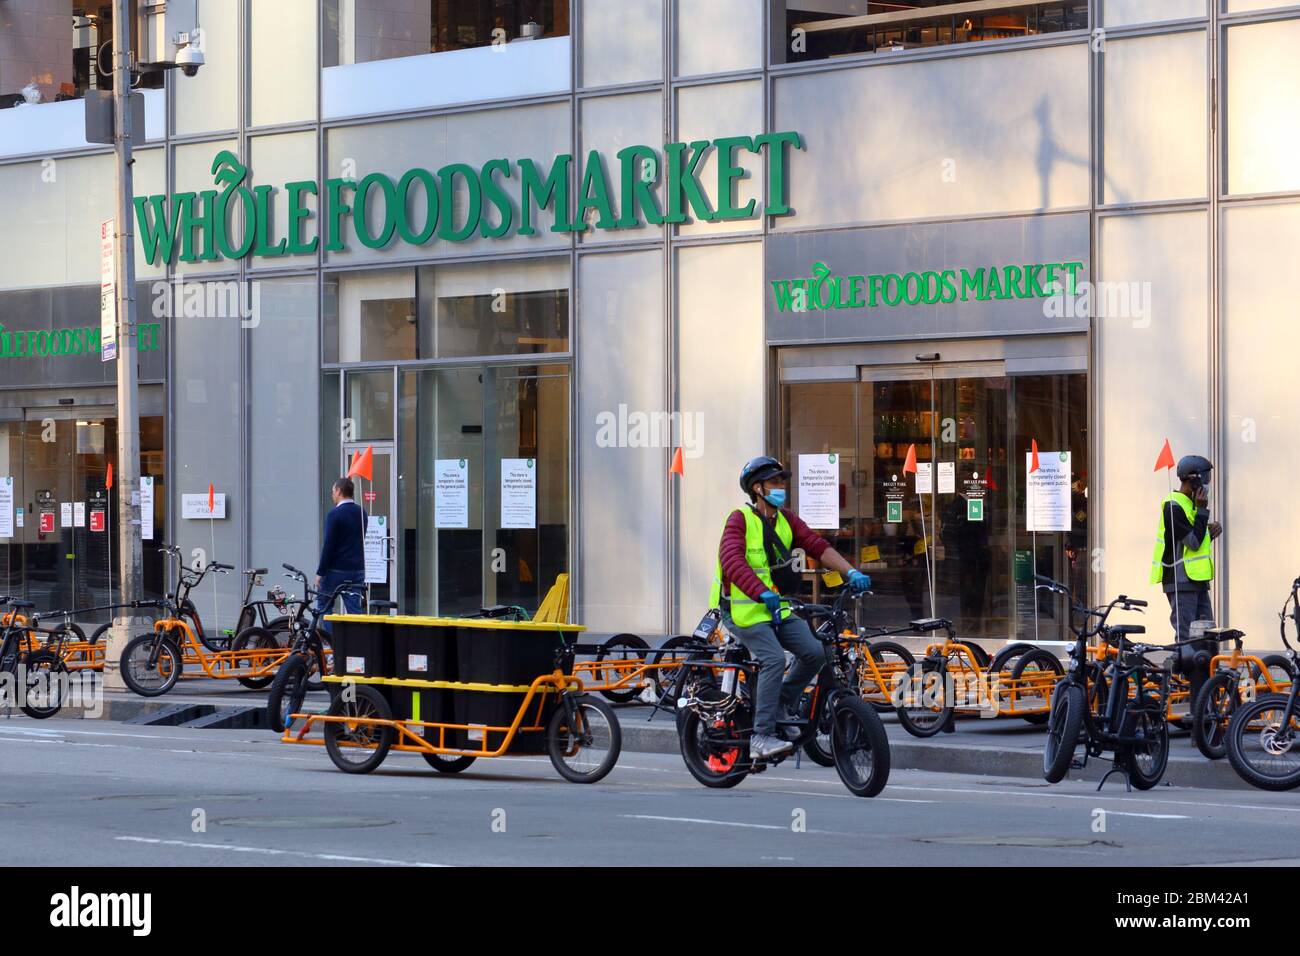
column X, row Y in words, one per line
column 460, row 202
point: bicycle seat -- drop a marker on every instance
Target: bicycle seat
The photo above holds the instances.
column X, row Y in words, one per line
column 21, row 605
column 383, row 605
column 1224, row 633
column 255, row 571
column 930, row 624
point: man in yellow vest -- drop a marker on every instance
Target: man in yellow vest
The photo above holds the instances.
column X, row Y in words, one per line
column 754, row 569
column 1182, row 562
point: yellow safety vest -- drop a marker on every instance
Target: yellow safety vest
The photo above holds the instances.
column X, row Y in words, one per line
column 745, row 611
column 1198, row 562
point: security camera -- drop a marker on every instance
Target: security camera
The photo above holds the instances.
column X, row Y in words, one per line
column 189, row 59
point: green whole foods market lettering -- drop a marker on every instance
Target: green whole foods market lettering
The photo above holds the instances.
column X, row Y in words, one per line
column 56, row 343
column 422, row 204
column 824, row 292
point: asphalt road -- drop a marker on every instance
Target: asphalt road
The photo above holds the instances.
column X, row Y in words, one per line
column 76, row 792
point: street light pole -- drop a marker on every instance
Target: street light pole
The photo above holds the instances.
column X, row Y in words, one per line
column 130, row 547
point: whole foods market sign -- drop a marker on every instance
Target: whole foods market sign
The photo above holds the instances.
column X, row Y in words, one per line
column 459, row 202
column 825, row 291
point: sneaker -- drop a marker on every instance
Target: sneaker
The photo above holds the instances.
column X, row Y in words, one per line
column 762, row 747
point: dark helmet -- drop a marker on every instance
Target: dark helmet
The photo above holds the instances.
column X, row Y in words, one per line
column 761, row 469
column 1194, row 468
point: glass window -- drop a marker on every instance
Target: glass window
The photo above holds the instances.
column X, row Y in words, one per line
column 1156, row 114
column 622, row 41
column 1164, row 345
column 282, row 52
column 719, row 36
column 610, row 123
column 622, row 371
column 494, row 308
column 1243, row 6
column 1118, row 13
column 48, row 51
column 812, row 33
column 710, row 417
column 208, row 102
column 710, row 112
column 360, row 31
column 371, row 316
column 1263, row 114
column 331, row 436
column 1259, row 244
column 284, row 408
column 1031, row 153
column 368, row 411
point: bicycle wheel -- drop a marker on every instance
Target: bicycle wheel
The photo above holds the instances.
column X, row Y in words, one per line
column 1006, row 657
column 622, row 647
column 151, row 679
column 100, row 632
column 716, row 756
column 922, row 703
column 1211, row 714
column 1065, row 721
column 1147, row 760
column 45, row 684
column 860, row 747
column 585, row 746
column 1260, row 750
column 288, row 691
column 447, row 763
column 981, row 656
column 359, row 748
column 1034, row 664
column 667, row 653
column 820, row 747
column 255, row 639
column 891, row 660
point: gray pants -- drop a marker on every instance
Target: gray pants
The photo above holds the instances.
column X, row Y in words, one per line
column 1186, row 606
column 765, row 642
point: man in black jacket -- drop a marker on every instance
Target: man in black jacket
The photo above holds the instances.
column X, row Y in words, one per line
column 342, row 556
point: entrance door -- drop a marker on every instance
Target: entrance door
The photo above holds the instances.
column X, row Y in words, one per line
column 377, row 498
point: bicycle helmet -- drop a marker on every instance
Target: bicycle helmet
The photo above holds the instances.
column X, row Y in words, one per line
column 1194, row 468
column 761, row 469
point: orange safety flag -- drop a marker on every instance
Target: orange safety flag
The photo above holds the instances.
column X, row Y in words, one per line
column 212, row 498
column 1166, row 459
column 1033, row 455
column 678, row 468
column 909, row 465
column 363, row 465
column 108, row 480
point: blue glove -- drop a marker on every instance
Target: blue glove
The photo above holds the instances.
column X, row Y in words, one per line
column 859, row 581
column 772, row 600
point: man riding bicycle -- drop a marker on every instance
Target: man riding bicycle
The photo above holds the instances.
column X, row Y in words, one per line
column 754, row 569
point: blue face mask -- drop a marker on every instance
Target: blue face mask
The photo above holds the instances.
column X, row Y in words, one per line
column 775, row 497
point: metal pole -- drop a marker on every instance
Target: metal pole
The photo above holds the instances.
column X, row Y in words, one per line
column 128, row 418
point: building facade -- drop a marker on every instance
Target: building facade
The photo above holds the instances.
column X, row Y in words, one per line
column 527, row 250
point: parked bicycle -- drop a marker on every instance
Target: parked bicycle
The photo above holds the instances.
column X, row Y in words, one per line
column 310, row 653
column 1264, row 734
column 713, row 690
column 40, row 676
column 1117, row 705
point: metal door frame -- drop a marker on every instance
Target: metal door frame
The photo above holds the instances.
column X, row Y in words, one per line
column 389, row 448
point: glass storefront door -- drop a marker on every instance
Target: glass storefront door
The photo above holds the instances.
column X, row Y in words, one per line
column 376, row 496
column 64, row 553
column 955, row 545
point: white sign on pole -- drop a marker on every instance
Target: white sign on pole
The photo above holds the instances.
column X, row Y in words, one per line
column 451, row 493
column 947, row 477
column 107, row 290
column 79, row 514
column 819, row 490
column 19, row 515
column 1047, row 492
column 6, row 507
column 65, row 514
column 376, row 549
column 196, row 506
column 518, row 493
column 924, row 478
column 146, row 508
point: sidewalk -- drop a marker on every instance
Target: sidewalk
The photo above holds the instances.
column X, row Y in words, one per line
column 1005, row 747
